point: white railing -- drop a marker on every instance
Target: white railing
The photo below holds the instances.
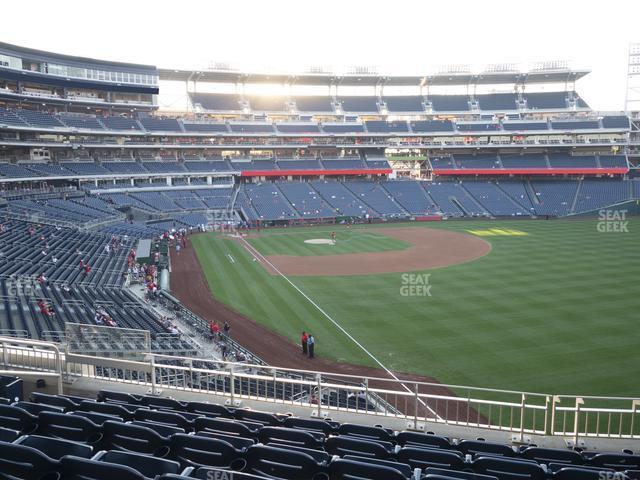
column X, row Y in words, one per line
column 520, row 413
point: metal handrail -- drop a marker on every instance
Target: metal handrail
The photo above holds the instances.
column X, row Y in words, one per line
column 492, row 409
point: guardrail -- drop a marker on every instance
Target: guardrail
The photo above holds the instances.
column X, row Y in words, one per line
column 520, row 413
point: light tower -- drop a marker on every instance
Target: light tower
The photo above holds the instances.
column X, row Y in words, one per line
column 632, row 98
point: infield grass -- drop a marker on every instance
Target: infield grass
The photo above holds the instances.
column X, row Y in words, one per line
column 292, row 242
column 554, row 311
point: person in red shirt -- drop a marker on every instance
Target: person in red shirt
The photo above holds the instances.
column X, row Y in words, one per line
column 303, row 340
column 87, row 270
column 215, row 330
column 44, row 308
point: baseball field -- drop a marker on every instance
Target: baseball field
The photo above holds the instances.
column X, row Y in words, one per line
column 540, row 306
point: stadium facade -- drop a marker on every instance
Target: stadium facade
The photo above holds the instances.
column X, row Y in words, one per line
column 88, row 150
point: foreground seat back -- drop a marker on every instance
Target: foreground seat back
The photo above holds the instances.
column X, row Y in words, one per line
column 74, row 468
column 54, row 400
column 208, row 473
column 275, row 462
column 355, row 430
column 146, row 465
column 117, row 397
column 165, row 417
column 264, row 418
column 56, row 448
column 162, row 403
column 444, row 474
column 194, row 451
column 509, row 469
column 24, row 463
column 616, row 461
column 345, row 469
column 133, row 438
column 225, row 426
column 425, row 458
column 309, row 424
column 209, row 409
column 423, row 439
column 15, row 418
column 583, row 473
column 291, row 436
column 477, row 447
column 68, row 427
column 105, row 409
column 552, row 455
column 350, row 446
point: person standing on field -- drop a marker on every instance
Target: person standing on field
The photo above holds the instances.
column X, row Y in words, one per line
column 311, row 343
column 304, row 340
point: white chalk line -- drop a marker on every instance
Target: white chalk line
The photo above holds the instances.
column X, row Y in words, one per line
column 256, row 253
column 231, row 259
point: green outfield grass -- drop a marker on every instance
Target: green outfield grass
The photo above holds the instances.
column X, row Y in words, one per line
column 347, row 241
column 555, row 311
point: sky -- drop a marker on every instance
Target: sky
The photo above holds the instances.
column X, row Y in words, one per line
column 398, row 36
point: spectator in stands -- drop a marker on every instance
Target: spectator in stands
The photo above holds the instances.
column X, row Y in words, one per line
column 311, row 345
column 42, row 280
column 54, row 259
column 87, row 270
column 67, row 290
column 304, row 340
column 226, row 328
column 45, row 309
column 215, row 330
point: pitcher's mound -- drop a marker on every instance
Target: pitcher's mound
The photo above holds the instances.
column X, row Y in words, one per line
column 320, row 241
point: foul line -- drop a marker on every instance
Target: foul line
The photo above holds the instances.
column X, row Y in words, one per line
column 255, row 252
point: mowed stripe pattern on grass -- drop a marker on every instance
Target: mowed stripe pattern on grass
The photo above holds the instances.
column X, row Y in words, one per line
column 347, row 241
column 555, row 311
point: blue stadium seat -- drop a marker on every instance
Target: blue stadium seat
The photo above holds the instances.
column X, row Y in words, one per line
column 371, row 433
column 406, row 439
column 19, row 462
column 552, row 455
column 68, row 427
column 209, row 409
column 54, row 400
column 75, row 468
column 227, row 427
column 428, row 457
column 343, row 469
column 16, row 418
column 196, row 451
column 310, row 424
column 444, row 474
column 36, row 408
column 159, row 416
column 56, row 448
column 509, row 469
column 291, row 436
column 616, row 461
column 281, row 463
column 106, row 409
column 146, row 465
column 343, row 445
column 476, row 447
column 134, row 438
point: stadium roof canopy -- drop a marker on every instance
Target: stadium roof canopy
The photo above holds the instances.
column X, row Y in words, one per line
column 70, row 60
column 482, row 78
